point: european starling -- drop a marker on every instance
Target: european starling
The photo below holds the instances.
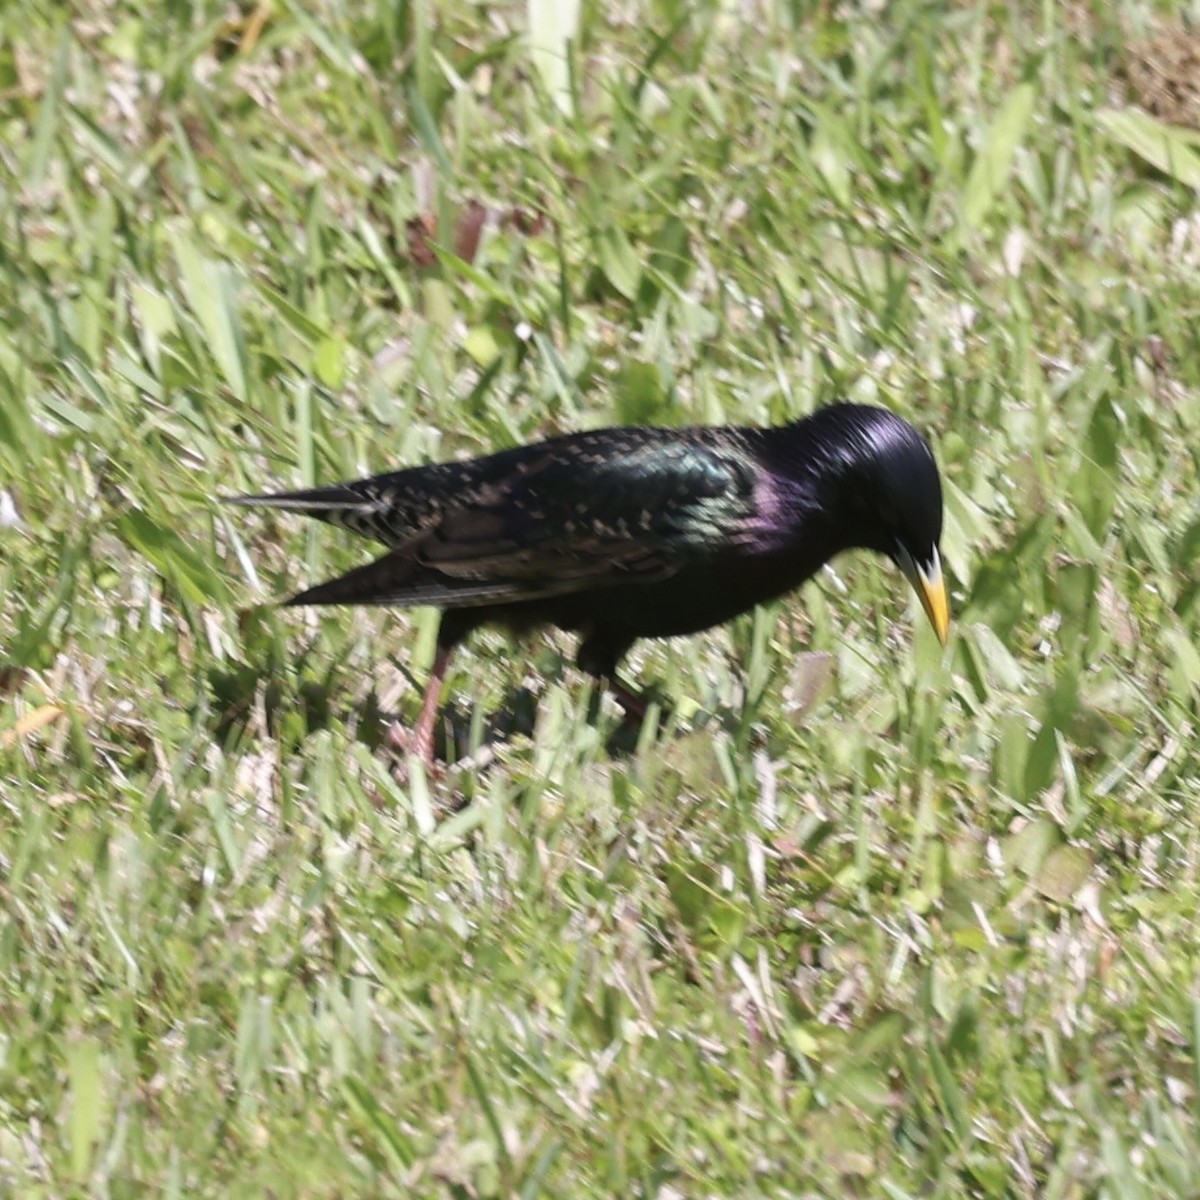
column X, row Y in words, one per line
column 635, row 532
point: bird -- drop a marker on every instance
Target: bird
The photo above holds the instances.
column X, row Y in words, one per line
column 633, row 532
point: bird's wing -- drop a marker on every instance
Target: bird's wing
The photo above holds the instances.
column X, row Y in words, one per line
column 599, row 516
column 594, row 511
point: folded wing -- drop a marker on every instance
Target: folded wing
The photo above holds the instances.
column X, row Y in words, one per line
column 584, row 512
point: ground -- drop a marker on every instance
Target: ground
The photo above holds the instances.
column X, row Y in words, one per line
column 862, row 917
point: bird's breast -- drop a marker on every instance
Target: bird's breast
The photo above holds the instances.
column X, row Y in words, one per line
column 695, row 598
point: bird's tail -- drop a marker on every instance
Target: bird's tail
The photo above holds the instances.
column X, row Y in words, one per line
column 387, row 580
column 339, row 504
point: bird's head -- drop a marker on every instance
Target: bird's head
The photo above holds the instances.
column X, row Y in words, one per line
column 889, row 494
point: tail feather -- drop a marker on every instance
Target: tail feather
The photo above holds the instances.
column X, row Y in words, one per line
column 338, row 503
column 402, row 582
column 387, row 580
column 341, row 504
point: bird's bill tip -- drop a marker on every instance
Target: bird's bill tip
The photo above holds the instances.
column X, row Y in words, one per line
column 930, row 586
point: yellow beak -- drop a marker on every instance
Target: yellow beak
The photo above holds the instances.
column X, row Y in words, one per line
column 930, row 587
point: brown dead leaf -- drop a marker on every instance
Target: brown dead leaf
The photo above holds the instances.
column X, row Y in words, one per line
column 529, row 222
column 1163, row 73
column 472, row 219
column 31, row 722
column 469, row 230
column 421, row 232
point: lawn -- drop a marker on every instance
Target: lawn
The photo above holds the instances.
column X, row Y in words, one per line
column 862, row 917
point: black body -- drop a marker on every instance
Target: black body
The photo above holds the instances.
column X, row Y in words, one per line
column 634, row 532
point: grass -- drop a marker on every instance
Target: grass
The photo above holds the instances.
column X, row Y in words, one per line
column 864, row 918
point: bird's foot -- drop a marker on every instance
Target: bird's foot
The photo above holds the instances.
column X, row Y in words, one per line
column 633, row 704
column 416, row 743
column 636, row 707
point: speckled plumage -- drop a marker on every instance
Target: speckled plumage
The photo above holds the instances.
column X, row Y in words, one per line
column 634, row 532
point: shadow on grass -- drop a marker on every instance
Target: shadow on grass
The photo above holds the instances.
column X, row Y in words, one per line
column 237, row 695
column 456, row 736
column 246, row 698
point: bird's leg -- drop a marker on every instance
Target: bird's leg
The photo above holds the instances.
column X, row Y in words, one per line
column 599, row 653
column 420, row 741
column 430, row 706
column 634, row 704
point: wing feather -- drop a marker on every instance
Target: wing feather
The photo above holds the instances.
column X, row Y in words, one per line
column 586, row 511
